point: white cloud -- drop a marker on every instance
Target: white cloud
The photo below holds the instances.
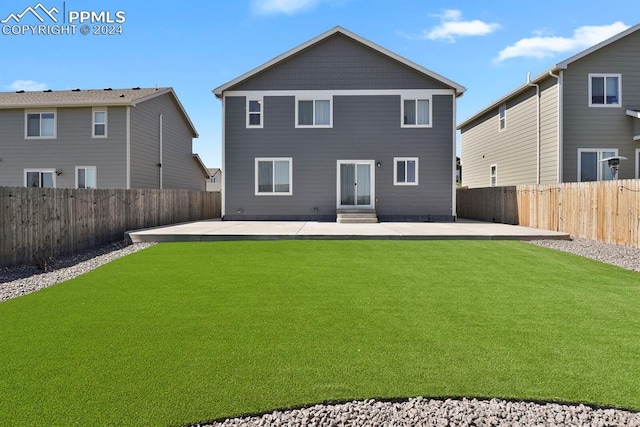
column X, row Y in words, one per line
column 27, row 85
column 452, row 26
column 545, row 46
column 288, row 7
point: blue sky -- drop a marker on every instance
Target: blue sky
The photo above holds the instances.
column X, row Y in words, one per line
column 197, row 45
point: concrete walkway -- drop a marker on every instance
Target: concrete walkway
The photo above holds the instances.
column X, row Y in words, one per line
column 213, row 230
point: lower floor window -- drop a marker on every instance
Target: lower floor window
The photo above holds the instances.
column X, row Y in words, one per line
column 493, row 176
column 44, row 178
column 590, row 166
column 274, row 176
column 86, row 177
column 405, row 171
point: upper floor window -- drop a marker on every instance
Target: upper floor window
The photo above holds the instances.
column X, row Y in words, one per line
column 40, row 124
column 493, row 176
column 42, row 178
column 314, row 113
column 502, row 114
column 405, row 171
column 416, row 113
column 254, row 112
column 86, row 177
column 605, row 90
column 99, row 124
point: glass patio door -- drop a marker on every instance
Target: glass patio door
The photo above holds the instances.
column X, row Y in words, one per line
column 355, row 186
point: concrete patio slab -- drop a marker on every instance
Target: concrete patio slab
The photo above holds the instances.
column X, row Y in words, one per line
column 212, row 230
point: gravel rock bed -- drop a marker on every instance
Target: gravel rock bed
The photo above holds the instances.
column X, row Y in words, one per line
column 24, row 279
column 420, row 411
column 621, row 256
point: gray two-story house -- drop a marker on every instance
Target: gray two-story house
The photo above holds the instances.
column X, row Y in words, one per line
column 339, row 125
column 111, row 138
column 562, row 125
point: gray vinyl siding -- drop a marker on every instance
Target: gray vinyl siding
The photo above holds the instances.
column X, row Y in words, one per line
column 364, row 128
column 73, row 146
column 513, row 149
column 599, row 127
column 549, row 131
column 179, row 169
column 339, row 63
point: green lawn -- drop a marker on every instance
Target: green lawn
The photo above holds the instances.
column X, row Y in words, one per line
column 185, row 332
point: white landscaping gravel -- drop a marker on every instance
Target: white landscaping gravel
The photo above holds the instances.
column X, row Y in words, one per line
column 418, row 411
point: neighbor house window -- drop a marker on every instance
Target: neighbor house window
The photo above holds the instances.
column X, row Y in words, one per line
column 86, row 177
column 99, row 124
column 605, row 90
column 405, row 171
column 314, row 113
column 502, row 113
column 416, row 113
column 41, row 124
column 254, row 112
column 40, row 178
column 274, row 176
column 590, row 166
column 493, row 176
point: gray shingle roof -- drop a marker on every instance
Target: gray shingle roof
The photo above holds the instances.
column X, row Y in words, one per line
column 69, row 98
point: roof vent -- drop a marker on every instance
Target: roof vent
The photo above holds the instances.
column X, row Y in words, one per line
column 48, row 90
column 107, row 88
column 135, row 88
column 75, row 90
column 20, row 91
column 121, row 95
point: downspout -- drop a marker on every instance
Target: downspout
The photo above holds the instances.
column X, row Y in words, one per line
column 559, row 130
column 160, row 140
column 223, row 175
column 128, row 148
column 537, row 86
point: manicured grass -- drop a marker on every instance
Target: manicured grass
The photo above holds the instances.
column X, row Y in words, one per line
column 180, row 333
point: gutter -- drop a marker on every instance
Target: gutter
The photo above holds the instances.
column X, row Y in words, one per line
column 537, row 86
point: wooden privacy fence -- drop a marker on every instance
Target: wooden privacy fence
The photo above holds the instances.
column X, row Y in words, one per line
column 607, row 211
column 39, row 223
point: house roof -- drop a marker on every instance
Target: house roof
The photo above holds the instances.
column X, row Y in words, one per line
column 88, row 98
column 563, row 65
column 203, row 168
column 213, row 171
column 339, row 30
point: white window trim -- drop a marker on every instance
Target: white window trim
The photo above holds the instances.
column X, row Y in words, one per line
column 591, row 150
column 637, row 163
column 260, row 99
column 500, row 119
column 605, row 105
column 53, row 111
column 416, row 98
column 314, row 97
column 95, row 172
column 492, row 175
column 395, row 170
column 274, row 159
column 94, row 123
column 48, row 170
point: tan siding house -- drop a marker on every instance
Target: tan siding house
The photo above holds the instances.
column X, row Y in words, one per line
column 558, row 126
column 111, row 138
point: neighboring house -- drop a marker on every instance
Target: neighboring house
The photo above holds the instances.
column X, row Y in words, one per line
column 339, row 124
column 560, row 125
column 111, row 138
column 214, row 183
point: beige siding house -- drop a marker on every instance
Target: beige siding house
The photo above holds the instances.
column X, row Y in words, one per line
column 558, row 126
column 110, row 138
